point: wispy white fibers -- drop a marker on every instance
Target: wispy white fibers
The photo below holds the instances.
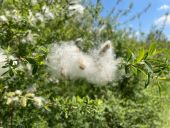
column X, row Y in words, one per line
column 47, row 13
column 103, row 66
column 2, row 62
column 63, row 60
column 97, row 67
column 3, row 19
column 75, row 8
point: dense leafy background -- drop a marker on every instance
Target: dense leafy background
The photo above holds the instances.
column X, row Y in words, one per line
column 31, row 97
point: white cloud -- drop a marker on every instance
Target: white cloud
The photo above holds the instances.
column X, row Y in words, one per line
column 163, row 20
column 164, row 7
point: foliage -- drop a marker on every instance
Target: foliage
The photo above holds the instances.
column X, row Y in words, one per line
column 31, row 97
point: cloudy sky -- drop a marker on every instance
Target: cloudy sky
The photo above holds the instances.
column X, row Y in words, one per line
column 154, row 16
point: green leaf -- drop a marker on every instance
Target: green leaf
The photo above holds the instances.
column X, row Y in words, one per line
column 148, row 67
column 152, row 49
column 31, row 61
column 141, row 70
column 11, row 73
column 146, row 55
column 132, row 55
column 147, row 82
column 34, row 65
column 134, row 69
column 167, row 79
column 141, row 55
column 35, row 68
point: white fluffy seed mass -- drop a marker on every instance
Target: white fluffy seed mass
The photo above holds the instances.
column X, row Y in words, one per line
column 97, row 67
column 2, row 62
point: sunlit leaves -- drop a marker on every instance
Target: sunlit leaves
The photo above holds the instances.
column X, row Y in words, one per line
column 26, row 36
column 143, row 61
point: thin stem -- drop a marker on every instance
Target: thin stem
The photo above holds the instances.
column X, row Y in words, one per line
column 11, row 116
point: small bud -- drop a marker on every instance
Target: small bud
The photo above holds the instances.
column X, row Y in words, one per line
column 23, row 102
column 38, row 101
column 9, row 101
column 30, row 95
column 15, row 98
column 10, row 94
column 18, row 92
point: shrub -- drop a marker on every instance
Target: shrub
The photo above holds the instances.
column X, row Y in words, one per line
column 31, row 97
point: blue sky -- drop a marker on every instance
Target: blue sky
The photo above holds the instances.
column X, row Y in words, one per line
column 155, row 14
